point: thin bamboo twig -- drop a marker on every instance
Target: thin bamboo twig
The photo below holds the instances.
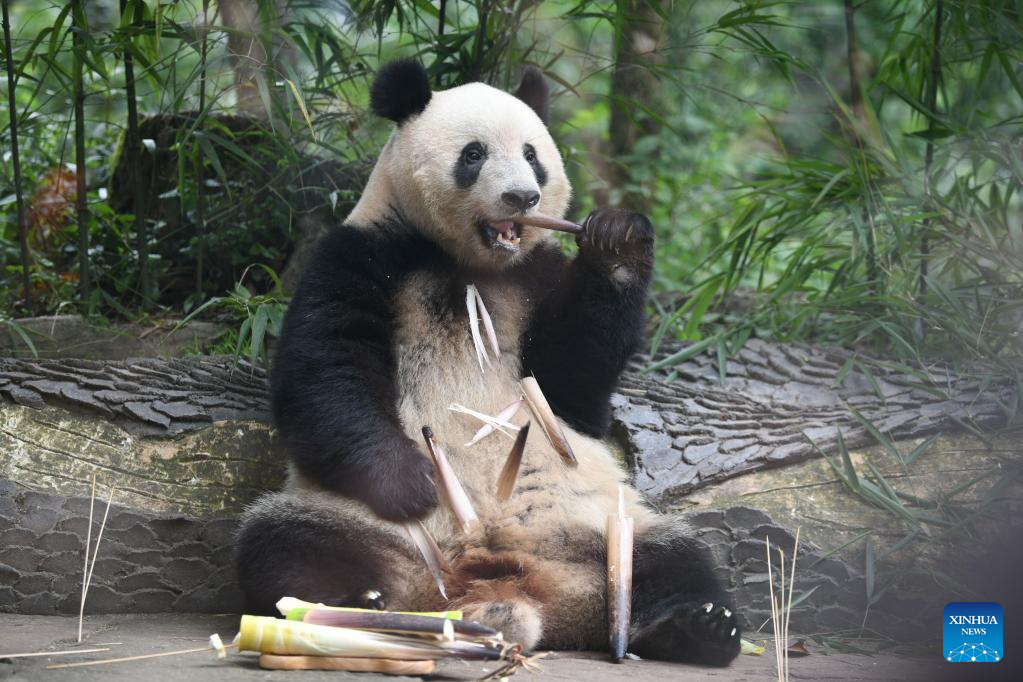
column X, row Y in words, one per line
column 66, row 652
column 26, row 255
column 492, row 423
column 95, row 553
column 85, row 562
column 774, row 611
column 498, row 421
column 105, row 661
column 788, row 609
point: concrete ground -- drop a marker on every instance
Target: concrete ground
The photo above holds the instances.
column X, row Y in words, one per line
column 130, row 635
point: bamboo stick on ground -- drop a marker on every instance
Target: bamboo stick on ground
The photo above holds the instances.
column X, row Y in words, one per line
column 401, row 623
column 619, row 579
column 362, row 665
column 506, row 481
column 452, row 490
column 543, row 413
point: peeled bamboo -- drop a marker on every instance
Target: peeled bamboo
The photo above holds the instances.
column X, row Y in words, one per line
column 548, row 422
column 619, row 579
column 506, row 481
column 548, row 222
column 399, row 623
column 453, row 492
column 288, row 637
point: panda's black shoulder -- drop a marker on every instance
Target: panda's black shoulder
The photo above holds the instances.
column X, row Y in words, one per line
column 376, row 254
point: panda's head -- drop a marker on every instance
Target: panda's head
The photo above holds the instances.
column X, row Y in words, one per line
column 462, row 161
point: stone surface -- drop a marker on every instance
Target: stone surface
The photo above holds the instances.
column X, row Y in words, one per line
column 70, row 336
column 148, row 561
column 138, row 635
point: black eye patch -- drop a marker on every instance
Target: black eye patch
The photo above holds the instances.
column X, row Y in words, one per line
column 470, row 162
column 529, row 154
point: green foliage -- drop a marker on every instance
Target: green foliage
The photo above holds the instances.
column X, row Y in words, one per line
column 259, row 317
column 851, row 213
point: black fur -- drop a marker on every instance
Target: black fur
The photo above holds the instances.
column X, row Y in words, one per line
column 470, row 163
column 401, row 89
column 534, row 161
column 332, row 388
column 533, row 91
column 587, row 326
column 288, row 550
column 673, row 586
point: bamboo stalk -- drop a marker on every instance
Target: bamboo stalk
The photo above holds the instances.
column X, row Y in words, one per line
column 548, row 422
column 547, row 222
column 402, row 623
column 133, row 147
column 26, row 255
column 506, row 481
column 452, row 490
column 619, row 579
column 290, row 637
column 81, row 203
column 200, row 186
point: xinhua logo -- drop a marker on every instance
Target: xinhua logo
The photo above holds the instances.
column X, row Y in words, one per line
column 972, row 632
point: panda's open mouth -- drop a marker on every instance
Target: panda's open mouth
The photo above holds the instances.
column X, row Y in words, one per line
column 502, row 234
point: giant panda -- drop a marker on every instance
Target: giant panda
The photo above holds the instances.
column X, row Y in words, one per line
column 376, row 344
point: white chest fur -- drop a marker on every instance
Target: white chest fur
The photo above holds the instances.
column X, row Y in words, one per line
column 437, row 366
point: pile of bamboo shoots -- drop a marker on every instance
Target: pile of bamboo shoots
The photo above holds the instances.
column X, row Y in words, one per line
column 318, row 637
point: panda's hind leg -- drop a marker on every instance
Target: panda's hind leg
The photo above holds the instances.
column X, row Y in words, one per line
column 679, row 611
column 320, row 554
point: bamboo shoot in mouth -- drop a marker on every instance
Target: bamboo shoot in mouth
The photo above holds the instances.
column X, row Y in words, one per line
column 506, row 481
column 452, row 490
column 548, row 222
column 548, row 422
column 619, row 579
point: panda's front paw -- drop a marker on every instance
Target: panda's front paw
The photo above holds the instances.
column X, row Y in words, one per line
column 620, row 241
column 403, row 489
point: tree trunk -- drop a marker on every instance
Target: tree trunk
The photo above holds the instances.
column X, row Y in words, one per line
column 186, row 444
column 634, row 86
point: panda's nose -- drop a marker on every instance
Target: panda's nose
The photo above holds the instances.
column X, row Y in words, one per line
column 521, row 199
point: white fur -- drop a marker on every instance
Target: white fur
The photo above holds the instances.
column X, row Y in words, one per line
column 415, row 171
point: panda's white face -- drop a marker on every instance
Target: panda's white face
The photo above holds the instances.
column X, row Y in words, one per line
column 473, row 158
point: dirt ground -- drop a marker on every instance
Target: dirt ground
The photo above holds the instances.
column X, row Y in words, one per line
column 129, row 635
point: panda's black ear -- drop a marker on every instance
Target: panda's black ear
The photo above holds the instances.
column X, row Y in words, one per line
column 401, row 89
column 533, row 91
